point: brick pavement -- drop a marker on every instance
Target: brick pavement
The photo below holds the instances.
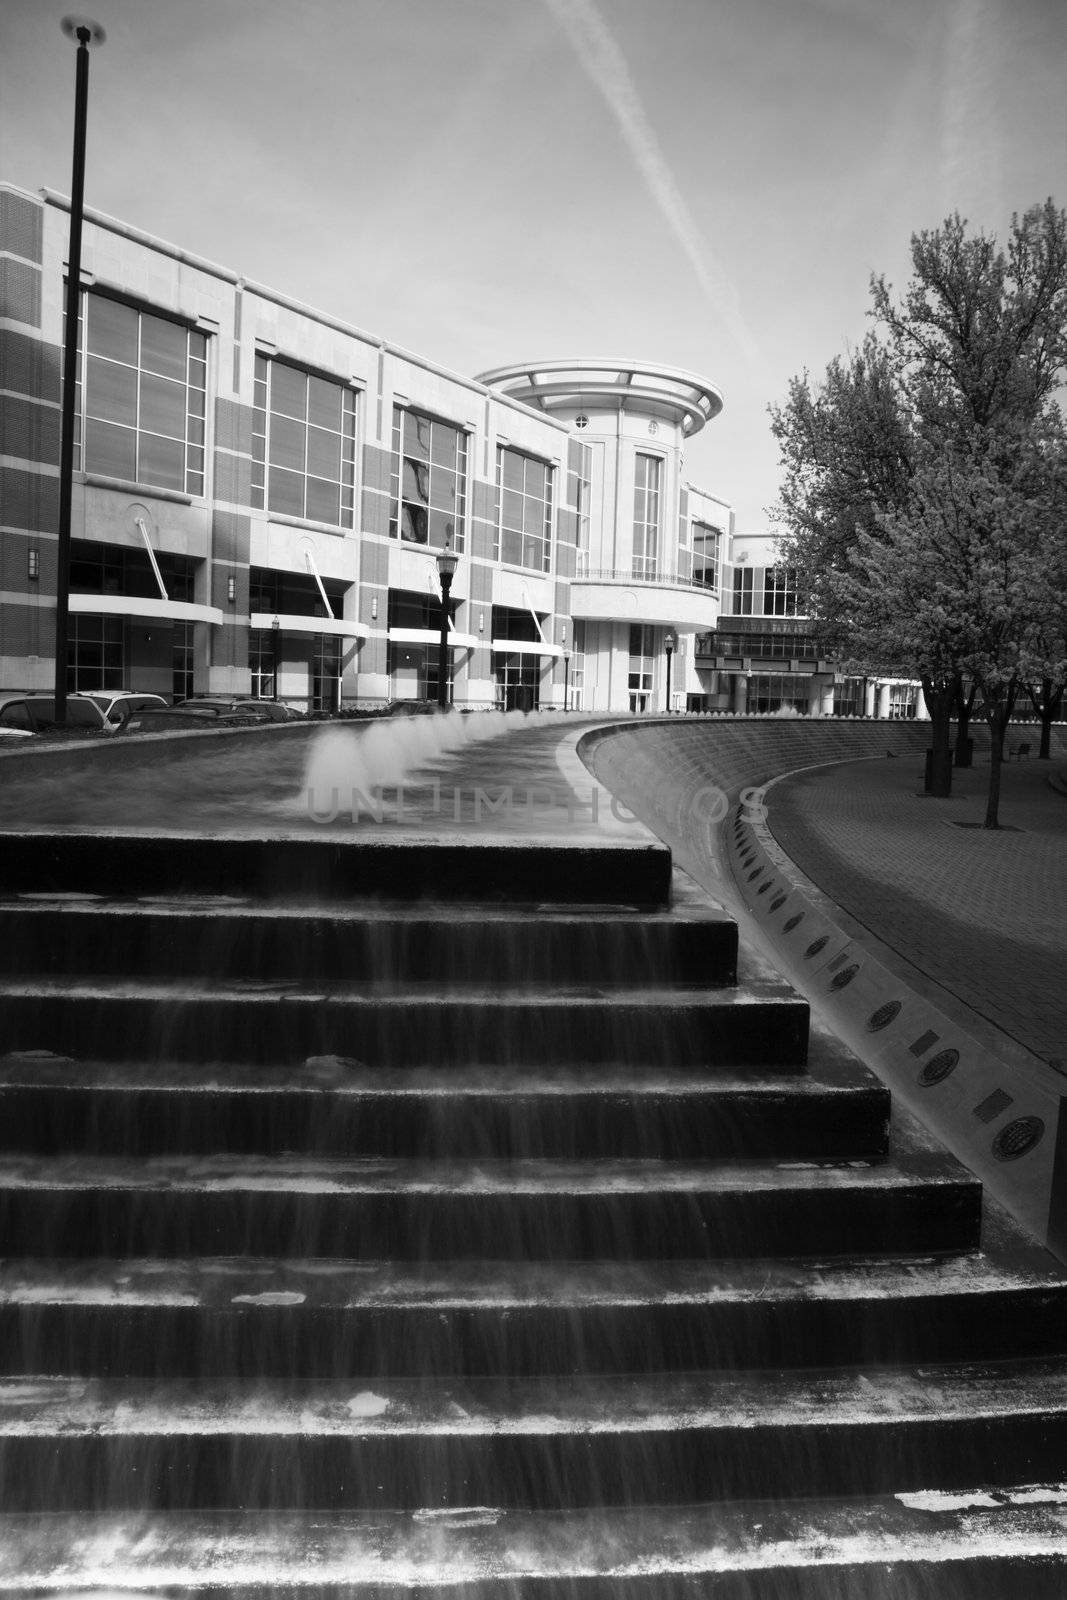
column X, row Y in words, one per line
column 982, row 913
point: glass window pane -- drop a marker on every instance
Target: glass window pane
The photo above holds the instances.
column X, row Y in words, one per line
column 512, row 509
column 288, row 390
column 443, row 445
column 443, row 489
column 413, row 524
column 535, row 478
column 322, row 504
column 511, row 548
column 162, row 406
column 109, row 449
column 512, row 465
column 416, row 436
column 111, row 392
column 112, row 329
column 442, row 527
column 286, row 492
column 416, row 485
column 324, row 453
column 196, row 430
column 287, row 444
column 162, row 461
column 533, row 516
column 324, row 403
column 197, row 345
column 163, row 347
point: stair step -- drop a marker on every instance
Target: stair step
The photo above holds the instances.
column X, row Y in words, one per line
column 548, row 1443
column 367, row 1208
column 189, row 935
column 328, row 1318
column 973, row 1545
column 334, row 1105
column 312, row 867
column 764, row 1024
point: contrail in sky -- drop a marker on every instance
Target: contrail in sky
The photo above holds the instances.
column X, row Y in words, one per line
column 606, row 65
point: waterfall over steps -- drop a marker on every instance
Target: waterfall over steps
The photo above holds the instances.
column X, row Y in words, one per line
column 396, row 1216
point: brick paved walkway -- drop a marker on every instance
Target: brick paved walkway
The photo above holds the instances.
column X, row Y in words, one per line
column 982, row 913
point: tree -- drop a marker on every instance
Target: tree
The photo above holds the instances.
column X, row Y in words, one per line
column 966, row 577
column 953, row 396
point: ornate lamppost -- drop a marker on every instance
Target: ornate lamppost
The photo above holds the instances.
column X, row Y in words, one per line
column 447, row 562
column 86, row 33
column 669, row 642
column 275, row 633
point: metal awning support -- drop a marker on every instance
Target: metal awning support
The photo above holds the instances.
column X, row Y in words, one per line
column 536, row 618
column 313, row 569
column 152, row 558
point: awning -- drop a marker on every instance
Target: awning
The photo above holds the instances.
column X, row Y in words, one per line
column 135, row 605
column 457, row 641
column 337, row 627
column 527, row 647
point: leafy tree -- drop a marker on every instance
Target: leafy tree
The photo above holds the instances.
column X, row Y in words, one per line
column 936, row 445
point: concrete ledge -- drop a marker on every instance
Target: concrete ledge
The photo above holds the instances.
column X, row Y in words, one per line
column 460, row 868
column 996, row 1107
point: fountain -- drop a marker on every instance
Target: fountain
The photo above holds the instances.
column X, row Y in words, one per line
column 384, row 1214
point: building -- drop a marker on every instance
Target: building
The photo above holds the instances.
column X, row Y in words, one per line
column 261, row 492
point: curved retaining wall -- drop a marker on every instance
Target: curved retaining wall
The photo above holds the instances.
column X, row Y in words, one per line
column 702, row 788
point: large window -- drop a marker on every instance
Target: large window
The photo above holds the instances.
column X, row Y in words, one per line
column 780, row 592
column 642, row 666
column 770, row 692
column 429, row 481
column 580, row 488
column 524, row 511
column 706, row 545
column 140, row 400
column 303, row 444
column 764, row 592
column 647, row 475
column 96, row 653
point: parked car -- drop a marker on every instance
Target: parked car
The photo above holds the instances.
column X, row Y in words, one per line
column 241, row 706
column 200, row 711
column 36, row 713
column 119, row 705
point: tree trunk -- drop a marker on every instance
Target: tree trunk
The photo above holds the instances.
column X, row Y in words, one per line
column 1047, row 707
column 998, row 713
column 964, row 742
column 940, row 697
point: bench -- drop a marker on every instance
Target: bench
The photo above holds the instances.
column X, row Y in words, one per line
column 1017, row 751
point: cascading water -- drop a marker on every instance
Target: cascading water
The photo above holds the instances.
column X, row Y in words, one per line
column 467, row 1239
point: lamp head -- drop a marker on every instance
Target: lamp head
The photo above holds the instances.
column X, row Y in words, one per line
column 75, row 27
column 669, row 642
column 447, row 562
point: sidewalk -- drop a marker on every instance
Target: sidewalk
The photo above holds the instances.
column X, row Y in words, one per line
column 982, row 913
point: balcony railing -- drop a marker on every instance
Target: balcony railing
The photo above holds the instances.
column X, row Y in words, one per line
column 639, row 573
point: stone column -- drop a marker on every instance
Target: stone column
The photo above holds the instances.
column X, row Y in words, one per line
column 883, row 700
column 740, row 693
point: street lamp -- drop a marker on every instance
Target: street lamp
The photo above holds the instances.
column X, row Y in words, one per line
column 85, row 32
column 275, row 633
column 566, row 681
column 447, row 562
column 669, row 642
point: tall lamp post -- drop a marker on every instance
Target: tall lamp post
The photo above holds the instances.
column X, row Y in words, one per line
column 566, row 681
column 275, row 633
column 447, row 562
column 86, row 33
column 669, row 643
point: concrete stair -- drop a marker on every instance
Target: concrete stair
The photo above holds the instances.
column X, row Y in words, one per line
column 354, row 1243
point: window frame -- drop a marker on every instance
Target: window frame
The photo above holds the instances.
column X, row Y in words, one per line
column 267, row 432
column 544, row 539
column 194, row 408
column 456, row 537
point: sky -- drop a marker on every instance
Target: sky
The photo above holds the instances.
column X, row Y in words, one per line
column 707, row 184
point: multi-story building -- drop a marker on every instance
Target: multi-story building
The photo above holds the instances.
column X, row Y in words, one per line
column 261, row 492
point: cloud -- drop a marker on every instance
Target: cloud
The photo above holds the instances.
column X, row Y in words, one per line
column 603, row 61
